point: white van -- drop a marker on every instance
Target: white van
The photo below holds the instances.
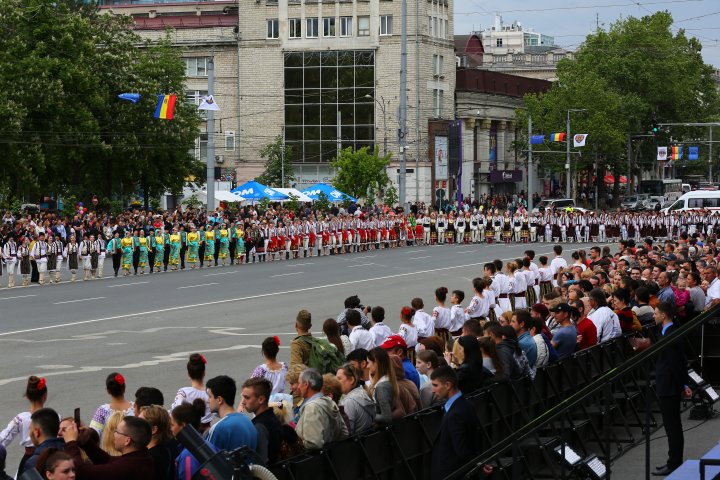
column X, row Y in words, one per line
column 707, row 199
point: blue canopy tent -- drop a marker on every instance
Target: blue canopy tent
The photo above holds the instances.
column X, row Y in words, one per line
column 254, row 191
column 332, row 193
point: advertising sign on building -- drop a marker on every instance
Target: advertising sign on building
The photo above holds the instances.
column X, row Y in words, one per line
column 441, row 158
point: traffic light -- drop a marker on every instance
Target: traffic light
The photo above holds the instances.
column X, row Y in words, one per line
column 655, row 127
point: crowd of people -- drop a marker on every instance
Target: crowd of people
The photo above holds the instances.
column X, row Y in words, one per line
column 516, row 317
column 42, row 248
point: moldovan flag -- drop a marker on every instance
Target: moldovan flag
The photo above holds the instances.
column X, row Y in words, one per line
column 557, row 137
column 579, row 139
column 165, row 107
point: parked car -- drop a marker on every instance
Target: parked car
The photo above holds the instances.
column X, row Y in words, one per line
column 636, row 202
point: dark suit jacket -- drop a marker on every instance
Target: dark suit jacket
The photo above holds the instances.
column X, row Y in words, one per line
column 456, row 441
column 136, row 465
column 670, row 368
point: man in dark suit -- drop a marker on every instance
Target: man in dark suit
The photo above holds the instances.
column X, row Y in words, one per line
column 670, row 384
column 456, row 441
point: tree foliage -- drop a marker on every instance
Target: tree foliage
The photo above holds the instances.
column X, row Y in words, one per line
column 624, row 77
column 276, row 154
column 362, row 173
column 62, row 127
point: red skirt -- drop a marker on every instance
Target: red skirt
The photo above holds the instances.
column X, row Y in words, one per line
column 418, row 230
column 326, row 237
column 410, row 233
column 384, row 233
column 273, row 244
column 295, row 240
column 363, row 235
column 344, row 236
column 393, row 234
column 312, row 238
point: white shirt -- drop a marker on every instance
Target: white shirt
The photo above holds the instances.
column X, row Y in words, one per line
column 188, row 395
column 520, row 282
column 607, row 324
column 380, row 332
column 556, row 263
column 361, row 338
column 442, row 317
column 457, row 318
column 409, row 333
column 713, row 292
column 424, row 323
column 19, row 425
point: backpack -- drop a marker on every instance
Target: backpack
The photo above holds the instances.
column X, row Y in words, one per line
column 324, row 356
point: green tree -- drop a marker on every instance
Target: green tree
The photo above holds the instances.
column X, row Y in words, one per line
column 361, row 173
column 322, row 203
column 623, row 77
column 273, row 154
column 63, row 128
column 293, row 204
column 390, row 196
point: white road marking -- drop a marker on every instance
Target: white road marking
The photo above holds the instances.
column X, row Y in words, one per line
column 286, row 274
column 417, row 251
column 126, row 284
column 221, row 273
column 19, row 296
column 365, row 256
column 361, row 265
column 250, row 297
column 419, row 258
column 299, row 264
column 467, row 251
column 199, row 285
column 79, row 300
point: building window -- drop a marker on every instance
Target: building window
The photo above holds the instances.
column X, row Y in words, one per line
column 201, row 147
column 386, row 25
column 318, row 87
column 447, row 32
column 229, row 141
column 558, row 56
column 438, row 102
column 196, row 67
column 311, row 29
column 194, row 98
column 363, row 26
column 437, row 65
column 329, row 27
column 436, row 28
column 498, row 42
column 272, row 28
column 295, row 27
column 346, row 26
column 430, row 26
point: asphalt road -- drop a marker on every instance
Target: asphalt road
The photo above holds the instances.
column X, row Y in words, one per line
column 146, row 326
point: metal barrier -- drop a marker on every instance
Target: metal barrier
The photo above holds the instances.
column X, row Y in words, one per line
column 608, row 423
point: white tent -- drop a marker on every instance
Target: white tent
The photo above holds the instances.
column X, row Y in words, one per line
column 294, row 192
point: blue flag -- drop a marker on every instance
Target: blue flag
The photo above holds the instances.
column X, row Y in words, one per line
column 692, row 153
column 537, row 139
column 130, row 97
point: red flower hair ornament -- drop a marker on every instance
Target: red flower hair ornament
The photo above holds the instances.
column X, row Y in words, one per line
column 202, row 359
column 119, row 379
column 277, row 340
column 41, row 384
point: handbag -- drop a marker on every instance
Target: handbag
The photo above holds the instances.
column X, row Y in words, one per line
column 640, row 344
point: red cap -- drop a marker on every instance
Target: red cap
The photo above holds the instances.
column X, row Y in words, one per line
column 394, row 341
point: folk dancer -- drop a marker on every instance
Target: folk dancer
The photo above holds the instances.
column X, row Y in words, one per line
column 39, row 254
column 55, row 258
column 175, row 242
column 23, row 256
column 72, row 253
column 143, row 247
column 10, row 254
column 115, row 250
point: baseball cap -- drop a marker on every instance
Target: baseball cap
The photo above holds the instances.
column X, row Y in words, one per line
column 562, row 307
column 393, row 341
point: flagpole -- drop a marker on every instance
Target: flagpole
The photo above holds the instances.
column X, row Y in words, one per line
column 530, row 167
column 211, row 139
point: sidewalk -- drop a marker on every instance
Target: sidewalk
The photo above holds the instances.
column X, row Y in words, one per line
column 700, row 436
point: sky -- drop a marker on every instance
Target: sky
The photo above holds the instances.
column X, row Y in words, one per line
column 569, row 21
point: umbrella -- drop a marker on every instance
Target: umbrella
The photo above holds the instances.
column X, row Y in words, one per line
column 253, row 191
column 294, row 192
column 331, row 192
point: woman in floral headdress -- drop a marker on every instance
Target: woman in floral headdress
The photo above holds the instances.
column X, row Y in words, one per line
column 36, row 393
column 272, row 370
column 115, row 385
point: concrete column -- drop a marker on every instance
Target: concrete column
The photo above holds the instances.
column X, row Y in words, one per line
column 501, row 146
column 468, row 147
column 482, row 140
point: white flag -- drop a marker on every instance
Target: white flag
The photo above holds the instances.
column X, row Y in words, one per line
column 579, row 139
column 208, row 103
column 662, row 153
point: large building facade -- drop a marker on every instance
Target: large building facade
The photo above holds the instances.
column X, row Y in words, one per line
column 319, row 75
column 325, row 75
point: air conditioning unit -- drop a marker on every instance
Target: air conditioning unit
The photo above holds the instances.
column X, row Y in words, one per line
column 219, row 159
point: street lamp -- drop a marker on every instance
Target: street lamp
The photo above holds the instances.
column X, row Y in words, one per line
column 382, row 108
column 567, row 149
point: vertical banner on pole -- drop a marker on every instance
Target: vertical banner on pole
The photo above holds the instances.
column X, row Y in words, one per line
column 455, row 154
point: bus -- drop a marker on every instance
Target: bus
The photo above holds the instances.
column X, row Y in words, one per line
column 670, row 190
